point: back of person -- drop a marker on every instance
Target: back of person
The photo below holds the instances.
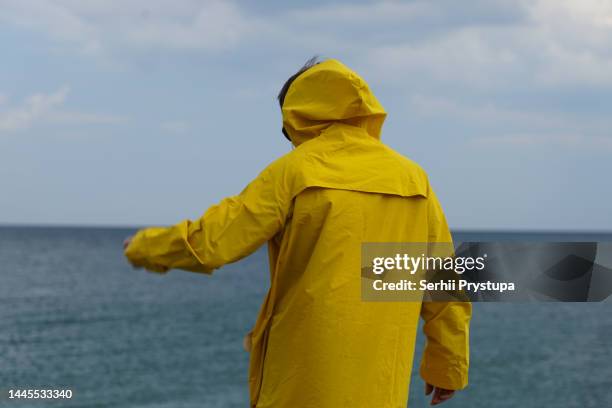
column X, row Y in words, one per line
column 324, row 346
column 327, row 348
column 316, row 343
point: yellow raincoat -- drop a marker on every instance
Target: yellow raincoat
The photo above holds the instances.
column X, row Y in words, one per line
column 315, row 342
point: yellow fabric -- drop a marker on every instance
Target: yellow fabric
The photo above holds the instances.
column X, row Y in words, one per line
column 315, row 343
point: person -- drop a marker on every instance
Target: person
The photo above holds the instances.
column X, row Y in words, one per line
column 316, row 343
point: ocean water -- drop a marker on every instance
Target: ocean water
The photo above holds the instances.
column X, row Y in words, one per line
column 74, row 315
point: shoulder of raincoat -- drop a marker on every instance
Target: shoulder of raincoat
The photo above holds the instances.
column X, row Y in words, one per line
column 339, row 187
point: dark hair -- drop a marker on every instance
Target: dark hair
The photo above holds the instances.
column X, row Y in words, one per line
column 283, row 92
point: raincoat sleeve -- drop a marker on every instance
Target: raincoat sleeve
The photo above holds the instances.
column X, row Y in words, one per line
column 227, row 232
column 446, row 324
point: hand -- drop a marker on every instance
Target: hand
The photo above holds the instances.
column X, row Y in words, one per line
column 439, row 394
column 127, row 242
column 138, row 263
column 247, row 342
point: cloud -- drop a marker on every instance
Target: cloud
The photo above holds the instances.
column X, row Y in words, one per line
column 511, row 126
column 465, row 58
column 47, row 108
column 84, row 118
column 102, row 27
column 488, row 48
column 353, row 14
column 490, row 44
column 487, row 113
column 175, row 126
column 567, row 141
column 416, row 17
column 34, row 108
column 555, row 44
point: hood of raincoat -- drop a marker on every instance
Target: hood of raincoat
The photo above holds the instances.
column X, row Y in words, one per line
column 329, row 93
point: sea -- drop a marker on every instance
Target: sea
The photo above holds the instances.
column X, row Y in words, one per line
column 75, row 316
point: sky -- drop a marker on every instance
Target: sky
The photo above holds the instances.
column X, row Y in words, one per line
column 146, row 112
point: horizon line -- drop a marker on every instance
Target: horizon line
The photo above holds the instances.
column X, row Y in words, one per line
column 453, row 230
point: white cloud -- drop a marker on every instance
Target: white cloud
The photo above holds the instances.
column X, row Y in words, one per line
column 466, row 57
column 49, row 18
column 47, row 108
column 542, row 140
column 175, row 126
column 557, row 43
column 490, row 44
column 383, row 11
column 101, row 27
column 528, row 127
column 34, row 107
column 489, row 113
column 84, row 118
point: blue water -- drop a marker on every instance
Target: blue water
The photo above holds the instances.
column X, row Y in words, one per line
column 74, row 315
